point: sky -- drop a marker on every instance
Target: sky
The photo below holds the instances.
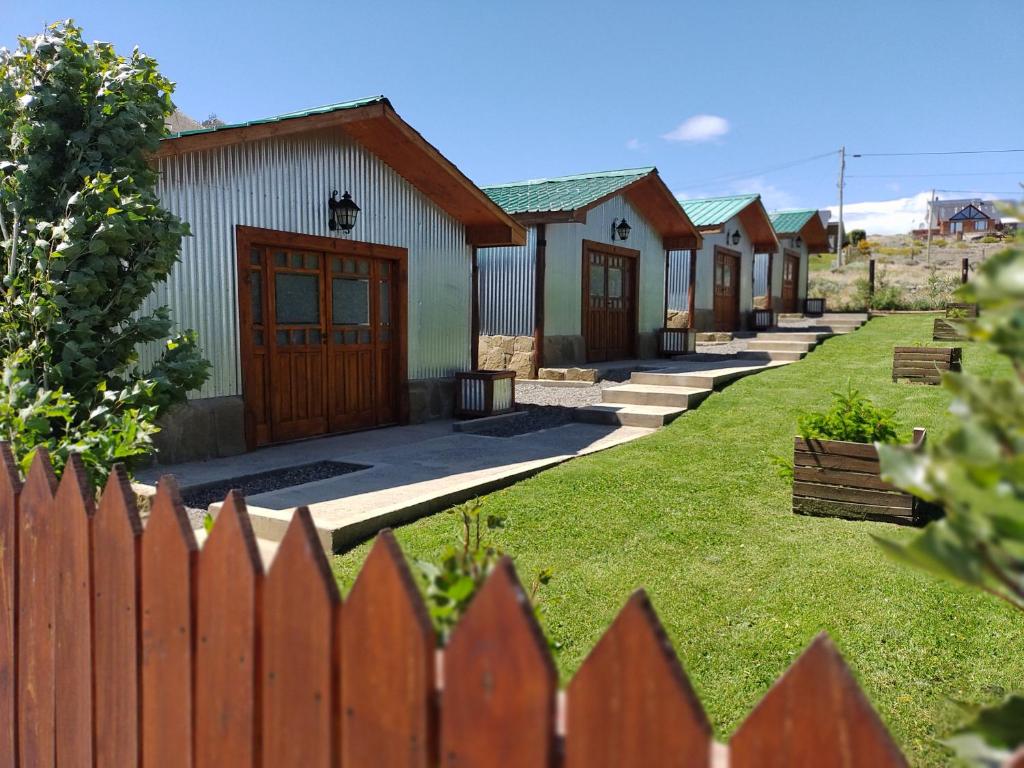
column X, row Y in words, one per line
column 723, row 97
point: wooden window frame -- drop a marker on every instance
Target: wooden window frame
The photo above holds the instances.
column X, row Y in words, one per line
column 247, row 237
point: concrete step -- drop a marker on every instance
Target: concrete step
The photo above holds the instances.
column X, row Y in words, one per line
column 774, row 345
column 651, row 416
column 654, row 394
column 816, row 337
column 773, row 355
column 709, row 379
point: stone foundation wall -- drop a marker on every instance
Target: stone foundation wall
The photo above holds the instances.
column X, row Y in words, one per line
column 507, row 353
column 677, row 319
column 201, row 429
column 431, row 399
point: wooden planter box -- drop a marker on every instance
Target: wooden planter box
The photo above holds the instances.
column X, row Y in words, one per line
column 833, row 478
column 676, row 341
column 964, row 310
column 814, row 307
column 484, row 393
column 762, row 319
column 924, row 364
column 944, row 330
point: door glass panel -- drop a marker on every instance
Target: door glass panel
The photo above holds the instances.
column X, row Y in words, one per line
column 615, row 283
column 256, row 296
column 295, row 260
column 350, row 301
column 385, row 268
column 297, row 298
column 255, row 256
column 363, row 267
column 597, row 281
column 298, row 337
column 257, row 338
column 282, row 338
column 314, row 336
column 280, row 258
column 312, row 260
column 384, row 308
column 364, row 337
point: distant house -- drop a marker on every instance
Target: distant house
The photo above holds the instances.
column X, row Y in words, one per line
column 784, row 281
column 716, row 287
column 316, row 322
column 589, row 284
column 952, row 217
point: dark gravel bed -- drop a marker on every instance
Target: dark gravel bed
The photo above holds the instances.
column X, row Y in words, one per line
column 530, row 418
column 199, row 498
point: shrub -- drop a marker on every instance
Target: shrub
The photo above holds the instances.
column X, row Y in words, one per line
column 853, row 418
column 86, row 242
column 856, row 235
column 975, row 474
column 988, row 239
column 940, row 243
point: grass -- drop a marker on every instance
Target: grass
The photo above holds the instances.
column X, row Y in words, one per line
column 698, row 515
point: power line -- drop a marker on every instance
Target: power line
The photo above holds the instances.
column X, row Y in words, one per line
column 781, row 166
column 950, row 152
column 920, row 175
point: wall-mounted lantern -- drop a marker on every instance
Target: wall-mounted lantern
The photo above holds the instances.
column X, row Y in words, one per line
column 735, row 237
column 798, row 241
column 620, row 229
column 344, row 212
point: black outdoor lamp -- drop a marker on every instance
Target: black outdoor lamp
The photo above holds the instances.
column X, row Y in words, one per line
column 344, row 212
column 798, row 241
column 620, row 228
column 735, row 237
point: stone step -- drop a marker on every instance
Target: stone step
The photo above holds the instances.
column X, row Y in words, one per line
column 654, row 394
column 775, row 355
column 775, row 345
column 709, row 379
column 651, row 416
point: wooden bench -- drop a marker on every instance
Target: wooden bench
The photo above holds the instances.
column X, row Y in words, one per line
column 834, row 478
column 924, row 364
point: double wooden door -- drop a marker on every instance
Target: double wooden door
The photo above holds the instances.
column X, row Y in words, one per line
column 727, row 290
column 609, row 309
column 323, row 340
column 790, row 279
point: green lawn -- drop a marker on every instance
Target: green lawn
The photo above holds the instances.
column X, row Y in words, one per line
column 698, row 515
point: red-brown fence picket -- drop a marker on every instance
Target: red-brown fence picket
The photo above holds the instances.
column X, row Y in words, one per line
column 123, row 645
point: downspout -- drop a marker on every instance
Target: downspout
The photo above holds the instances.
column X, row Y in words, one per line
column 540, row 256
column 474, row 323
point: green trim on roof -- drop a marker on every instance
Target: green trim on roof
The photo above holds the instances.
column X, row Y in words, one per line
column 563, row 193
column 712, row 211
column 791, row 222
column 286, row 116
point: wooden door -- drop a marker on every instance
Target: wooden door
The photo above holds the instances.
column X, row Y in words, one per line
column 727, row 293
column 297, row 353
column 790, row 280
column 321, row 335
column 609, row 312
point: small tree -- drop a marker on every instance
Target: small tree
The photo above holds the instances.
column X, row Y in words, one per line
column 85, row 242
column 977, row 474
column 856, row 235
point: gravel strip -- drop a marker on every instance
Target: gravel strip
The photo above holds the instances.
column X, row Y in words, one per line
column 532, row 418
column 197, row 500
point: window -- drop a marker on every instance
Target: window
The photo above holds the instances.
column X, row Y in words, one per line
column 980, row 226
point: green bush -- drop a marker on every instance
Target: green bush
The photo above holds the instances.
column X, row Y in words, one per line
column 852, row 418
column 85, row 243
column 988, row 239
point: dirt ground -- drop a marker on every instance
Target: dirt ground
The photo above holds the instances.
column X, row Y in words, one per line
column 906, row 275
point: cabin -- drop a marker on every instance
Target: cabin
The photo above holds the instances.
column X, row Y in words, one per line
column 329, row 275
column 781, row 283
column 715, row 288
column 589, row 285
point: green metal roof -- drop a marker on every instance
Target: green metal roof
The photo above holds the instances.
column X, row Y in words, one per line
column 565, row 193
column 788, row 222
column 712, row 211
column 287, row 116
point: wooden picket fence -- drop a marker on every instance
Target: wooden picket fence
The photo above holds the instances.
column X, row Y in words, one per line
column 123, row 645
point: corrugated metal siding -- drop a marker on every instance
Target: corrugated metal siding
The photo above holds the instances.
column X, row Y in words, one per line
column 564, row 267
column 761, row 274
column 284, row 184
column 679, row 280
column 507, row 278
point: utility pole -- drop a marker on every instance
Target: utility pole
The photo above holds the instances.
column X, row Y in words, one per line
column 839, row 237
column 931, row 210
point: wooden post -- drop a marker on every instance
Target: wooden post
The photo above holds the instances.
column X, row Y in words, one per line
column 871, row 277
column 538, row 297
column 965, row 267
column 474, row 333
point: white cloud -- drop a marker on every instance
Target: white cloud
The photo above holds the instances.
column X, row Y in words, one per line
column 634, row 144
column 699, row 128
column 885, row 217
